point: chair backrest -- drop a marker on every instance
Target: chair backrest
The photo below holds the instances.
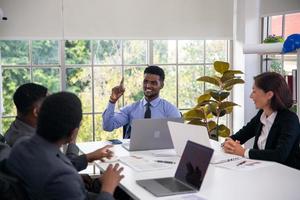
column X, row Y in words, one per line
column 2, row 139
column 10, row 187
column 126, row 131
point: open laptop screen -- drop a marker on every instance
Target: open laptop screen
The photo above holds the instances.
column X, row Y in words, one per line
column 193, row 164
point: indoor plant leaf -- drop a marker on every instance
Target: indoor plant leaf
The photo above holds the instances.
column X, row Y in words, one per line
column 219, row 95
column 221, row 66
column 197, row 122
column 223, row 130
column 209, row 79
column 203, row 97
column 194, row 114
column 226, row 104
column 211, row 125
column 229, row 84
column 230, row 74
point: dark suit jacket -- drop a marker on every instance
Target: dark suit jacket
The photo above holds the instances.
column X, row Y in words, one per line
column 282, row 144
column 46, row 173
column 19, row 130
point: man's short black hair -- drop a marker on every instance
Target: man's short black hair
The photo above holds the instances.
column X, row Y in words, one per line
column 28, row 94
column 59, row 115
column 153, row 69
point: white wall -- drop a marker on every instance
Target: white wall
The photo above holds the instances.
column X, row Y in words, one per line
column 246, row 31
column 138, row 19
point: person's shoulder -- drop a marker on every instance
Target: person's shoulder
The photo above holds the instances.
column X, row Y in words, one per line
column 167, row 103
column 287, row 114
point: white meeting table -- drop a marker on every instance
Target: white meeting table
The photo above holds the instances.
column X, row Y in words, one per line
column 275, row 182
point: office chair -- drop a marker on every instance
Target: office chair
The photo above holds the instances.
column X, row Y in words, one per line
column 126, row 131
column 10, row 186
column 2, row 139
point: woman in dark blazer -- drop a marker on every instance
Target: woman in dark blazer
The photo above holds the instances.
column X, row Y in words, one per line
column 275, row 128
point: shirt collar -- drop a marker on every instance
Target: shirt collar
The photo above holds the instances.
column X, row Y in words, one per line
column 153, row 103
column 23, row 126
column 264, row 119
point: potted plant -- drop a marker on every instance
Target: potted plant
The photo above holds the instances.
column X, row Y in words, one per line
column 214, row 103
column 273, row 39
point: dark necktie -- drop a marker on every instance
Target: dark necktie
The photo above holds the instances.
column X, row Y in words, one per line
column 148, row 111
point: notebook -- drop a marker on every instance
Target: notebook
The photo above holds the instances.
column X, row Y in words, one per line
column 189, row 174
column 181, row 133
column 150, row 134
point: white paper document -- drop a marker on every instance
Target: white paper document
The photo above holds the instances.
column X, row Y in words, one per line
column 139, row 163
column 244, row 164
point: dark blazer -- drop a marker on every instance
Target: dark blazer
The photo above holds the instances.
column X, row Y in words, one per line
column 282, row 144
column 46, row 173
column 19, row 130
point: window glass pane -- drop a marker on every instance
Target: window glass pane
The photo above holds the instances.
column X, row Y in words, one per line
column 290, row 63
column 135, row 51
column 79, row 82
column 85, row 133
column 45, row 52
column 216, row 50
column 12, row 79
column 77, row 52
column 276, row 25
column 292, row 24
column 164, row 51
column 101, row 135
column 6, row 124
column 168, row 92
column 107, row 52
column 190, row 51
column 48, row 77
column 189, row 88
column 210, row 71
column 273, row 63
column 133, row 83
column 14, row 52
column 105, row 78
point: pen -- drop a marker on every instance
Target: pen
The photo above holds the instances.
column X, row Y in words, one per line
column 165, row 161
column 241, row 163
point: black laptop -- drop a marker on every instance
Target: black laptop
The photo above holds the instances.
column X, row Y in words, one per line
column 189, row 174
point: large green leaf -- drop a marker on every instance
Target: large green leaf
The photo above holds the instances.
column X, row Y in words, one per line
column 211, row 125
column 230, row 74
column 203, row 97
column 227, row 104
column 219, row 95
column 194, row 114
column 221, row 66
column 230, row 83
column 197, row 122
column 223, row 131
column 209, row 79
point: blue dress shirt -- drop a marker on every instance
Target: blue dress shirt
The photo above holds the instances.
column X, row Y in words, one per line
column 160, row 108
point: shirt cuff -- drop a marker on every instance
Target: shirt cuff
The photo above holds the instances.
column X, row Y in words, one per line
column 111, row 106
column 246, row 153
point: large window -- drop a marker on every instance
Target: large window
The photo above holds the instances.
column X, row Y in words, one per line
column 90, row 68
column 282, row 25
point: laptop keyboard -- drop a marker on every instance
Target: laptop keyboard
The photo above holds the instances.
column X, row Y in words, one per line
column 172, row 184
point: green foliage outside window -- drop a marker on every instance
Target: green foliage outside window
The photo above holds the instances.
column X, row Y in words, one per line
column 94, row 67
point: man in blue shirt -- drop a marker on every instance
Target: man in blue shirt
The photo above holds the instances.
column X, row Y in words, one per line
column 151, row 106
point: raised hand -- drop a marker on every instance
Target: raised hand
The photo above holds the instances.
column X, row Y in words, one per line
column 111, row 178
column 117, row 92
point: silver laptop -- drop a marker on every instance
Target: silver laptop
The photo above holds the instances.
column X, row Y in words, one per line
column 150, row 134
column 181, row 133
column 189, row 174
